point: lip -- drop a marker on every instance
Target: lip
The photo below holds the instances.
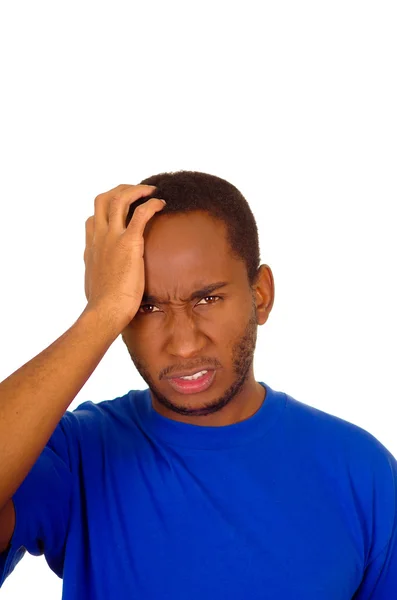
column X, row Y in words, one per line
column 194, row 386
column 188, row 373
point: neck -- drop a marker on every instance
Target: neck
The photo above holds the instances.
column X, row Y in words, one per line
column 241, row 407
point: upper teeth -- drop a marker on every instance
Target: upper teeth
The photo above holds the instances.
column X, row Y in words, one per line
column 195, row 376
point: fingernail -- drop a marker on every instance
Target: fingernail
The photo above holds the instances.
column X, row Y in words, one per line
column 162, row 200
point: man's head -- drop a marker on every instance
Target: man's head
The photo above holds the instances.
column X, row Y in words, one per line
column 205, row 295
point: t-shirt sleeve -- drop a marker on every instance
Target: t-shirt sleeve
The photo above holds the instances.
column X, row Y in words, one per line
column 380, row 576
column 42, row 507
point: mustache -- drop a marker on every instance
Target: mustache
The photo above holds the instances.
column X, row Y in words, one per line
column 205, row 363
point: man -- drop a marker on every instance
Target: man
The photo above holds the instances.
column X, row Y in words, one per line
column 208, row 484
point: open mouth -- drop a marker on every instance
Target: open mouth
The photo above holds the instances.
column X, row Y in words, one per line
column 193, row 384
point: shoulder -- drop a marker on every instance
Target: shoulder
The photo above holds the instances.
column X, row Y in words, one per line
column 340, row 441
column 92, row 420
column 361, row 470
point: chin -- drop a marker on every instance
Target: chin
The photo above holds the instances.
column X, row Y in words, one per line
column 196, row 404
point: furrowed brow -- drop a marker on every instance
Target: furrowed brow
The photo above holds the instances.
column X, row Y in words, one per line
column 201, row 293
column 206, row 291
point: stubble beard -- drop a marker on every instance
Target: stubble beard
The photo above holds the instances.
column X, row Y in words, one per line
column 243, row 355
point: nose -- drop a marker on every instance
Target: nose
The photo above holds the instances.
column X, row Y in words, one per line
column 184, row 338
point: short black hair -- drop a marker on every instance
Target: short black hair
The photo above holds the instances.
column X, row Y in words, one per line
column 187, row 191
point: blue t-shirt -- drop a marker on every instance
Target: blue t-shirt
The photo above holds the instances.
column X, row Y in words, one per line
column 291, row 503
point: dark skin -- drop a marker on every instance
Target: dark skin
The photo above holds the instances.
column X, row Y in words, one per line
column 185, row 253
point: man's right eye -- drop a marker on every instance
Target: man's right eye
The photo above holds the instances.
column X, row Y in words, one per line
column 145, row 309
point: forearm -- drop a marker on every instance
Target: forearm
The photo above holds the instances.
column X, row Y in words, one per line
column 34, row 398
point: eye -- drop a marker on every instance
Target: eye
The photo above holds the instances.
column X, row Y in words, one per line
column 145, row 309
column 213, row 300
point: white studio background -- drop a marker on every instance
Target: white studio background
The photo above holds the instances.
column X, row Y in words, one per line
column 292, row 102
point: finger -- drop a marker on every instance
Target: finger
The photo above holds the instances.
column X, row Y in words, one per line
column 108, row 203
column 89, row 234
column 119, row 205
column 89, row 229
column 143, row 213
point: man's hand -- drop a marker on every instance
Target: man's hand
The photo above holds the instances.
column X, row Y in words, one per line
column 113, row 256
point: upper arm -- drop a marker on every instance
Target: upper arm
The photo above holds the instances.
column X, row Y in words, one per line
column 380, row 576
column 7, row 525
column 36, row 519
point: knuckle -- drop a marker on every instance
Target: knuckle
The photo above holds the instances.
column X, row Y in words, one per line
column 98, row 200
column 115, row 199
column 114, row 204
column 89, row 226
column 141, row 211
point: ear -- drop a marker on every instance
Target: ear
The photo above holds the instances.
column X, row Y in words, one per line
column 263, row 289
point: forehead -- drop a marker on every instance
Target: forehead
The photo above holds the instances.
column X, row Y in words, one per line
column 186, row 248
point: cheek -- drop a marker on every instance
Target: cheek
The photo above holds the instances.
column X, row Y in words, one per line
column 141, row 343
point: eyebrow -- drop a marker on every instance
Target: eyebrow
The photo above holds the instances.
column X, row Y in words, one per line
column 201, row 293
